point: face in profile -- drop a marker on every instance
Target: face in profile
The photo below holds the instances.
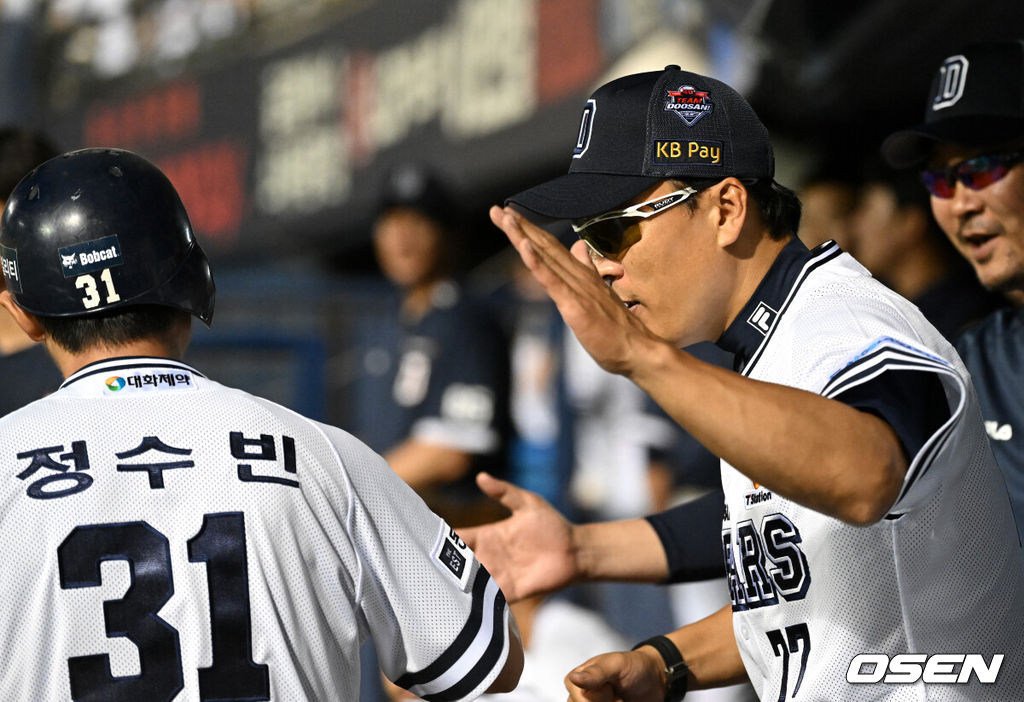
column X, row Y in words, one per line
column 408, row 246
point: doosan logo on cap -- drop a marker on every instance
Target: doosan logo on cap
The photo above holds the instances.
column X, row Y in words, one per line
column 641, row 129
column 949, row 84
column 689, row 104
column 976, row 101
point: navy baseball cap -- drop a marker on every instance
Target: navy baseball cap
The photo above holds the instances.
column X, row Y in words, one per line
column 415, row 186
column 641, row 129
column 976, row 100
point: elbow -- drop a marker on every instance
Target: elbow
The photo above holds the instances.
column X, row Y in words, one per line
column 875, row 494
column 509, row 676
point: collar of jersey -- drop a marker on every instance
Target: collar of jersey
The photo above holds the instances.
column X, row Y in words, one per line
column 125, row 364
column 742, row 337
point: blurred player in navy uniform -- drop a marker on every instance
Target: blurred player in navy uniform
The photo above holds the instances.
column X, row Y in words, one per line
column 970, row 153
column 28, row 371
column 435, row 403
column 169, row 538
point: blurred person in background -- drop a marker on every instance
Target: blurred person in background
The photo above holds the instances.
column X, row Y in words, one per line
column 828, row 193
column 897, row 239
column 969, row 151
column 583, row 438
column 434, row 394
column 28, row 371
column 541, row 451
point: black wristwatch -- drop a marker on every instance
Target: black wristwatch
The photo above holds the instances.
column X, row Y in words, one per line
column 676, row 671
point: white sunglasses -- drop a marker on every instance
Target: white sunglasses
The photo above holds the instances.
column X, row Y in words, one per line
column 608, row 235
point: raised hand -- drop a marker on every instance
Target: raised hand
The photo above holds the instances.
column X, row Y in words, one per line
column 592, row 310
column 529, row 553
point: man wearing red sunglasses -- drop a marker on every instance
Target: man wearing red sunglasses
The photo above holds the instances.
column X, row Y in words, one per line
column 970, row 150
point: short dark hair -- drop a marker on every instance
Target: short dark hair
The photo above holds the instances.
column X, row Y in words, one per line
column 21, row 150
column 778, row 205
column 114, row 327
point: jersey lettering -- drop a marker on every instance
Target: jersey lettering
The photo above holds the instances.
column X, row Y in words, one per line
column 220, row 544
column 789, row 569
column 56, row 471
column 757, row 585
column 770, row 563
column 795, row 638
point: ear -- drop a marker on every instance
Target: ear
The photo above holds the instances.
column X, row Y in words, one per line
column 729, row 201
column 28, row 323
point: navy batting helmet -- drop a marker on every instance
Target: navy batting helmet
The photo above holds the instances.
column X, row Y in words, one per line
column 96, row 229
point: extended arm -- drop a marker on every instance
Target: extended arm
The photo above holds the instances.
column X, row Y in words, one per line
column 536, row 550
column 819, row 452
column 850, row 465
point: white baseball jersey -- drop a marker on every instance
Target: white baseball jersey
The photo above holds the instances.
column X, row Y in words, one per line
column 169, row 538
column 942, row 573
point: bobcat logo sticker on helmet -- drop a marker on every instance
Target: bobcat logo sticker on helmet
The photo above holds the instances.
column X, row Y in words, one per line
column 689, row 104
column 90, row 256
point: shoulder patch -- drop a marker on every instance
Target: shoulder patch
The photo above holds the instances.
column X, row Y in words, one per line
column 454, row 556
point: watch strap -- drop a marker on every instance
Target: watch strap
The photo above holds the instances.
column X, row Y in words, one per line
column 676, row 670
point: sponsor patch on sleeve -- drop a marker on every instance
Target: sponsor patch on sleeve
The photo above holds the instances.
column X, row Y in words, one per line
column 675, row 151
column 454, row 556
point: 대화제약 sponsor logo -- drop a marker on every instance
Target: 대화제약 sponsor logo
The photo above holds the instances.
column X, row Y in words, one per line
column 176, row 380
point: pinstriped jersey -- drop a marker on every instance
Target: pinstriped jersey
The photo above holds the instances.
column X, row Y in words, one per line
column 941, row 573
column 169, row 538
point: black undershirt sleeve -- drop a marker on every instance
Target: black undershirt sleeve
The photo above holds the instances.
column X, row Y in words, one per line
column 912, row 402
column 691, row 537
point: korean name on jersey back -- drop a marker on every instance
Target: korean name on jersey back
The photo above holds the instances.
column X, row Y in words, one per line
column 764, row 562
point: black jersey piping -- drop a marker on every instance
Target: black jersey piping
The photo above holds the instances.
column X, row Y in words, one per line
column 461, row 645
